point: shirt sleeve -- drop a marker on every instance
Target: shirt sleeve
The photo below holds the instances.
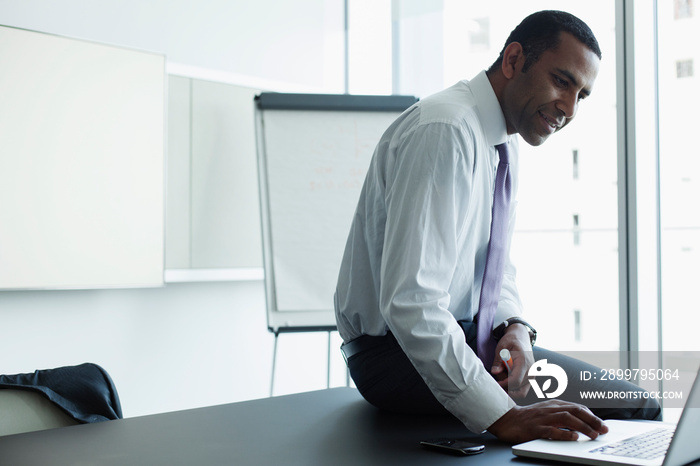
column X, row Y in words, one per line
column 428, row 186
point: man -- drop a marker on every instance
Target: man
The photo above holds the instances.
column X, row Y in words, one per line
column 409, row 289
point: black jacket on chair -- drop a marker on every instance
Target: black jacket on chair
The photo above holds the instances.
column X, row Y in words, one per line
column 85, row 392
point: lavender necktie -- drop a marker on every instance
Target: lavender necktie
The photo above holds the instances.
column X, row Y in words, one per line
column 495, row 260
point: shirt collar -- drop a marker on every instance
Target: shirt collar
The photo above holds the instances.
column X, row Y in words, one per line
column 494, row 123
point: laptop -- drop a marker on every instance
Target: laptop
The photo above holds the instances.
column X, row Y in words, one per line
column 645, row 443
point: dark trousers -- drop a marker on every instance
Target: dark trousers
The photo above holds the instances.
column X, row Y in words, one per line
column 387, row 379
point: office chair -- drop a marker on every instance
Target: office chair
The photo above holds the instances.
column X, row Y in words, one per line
column 27, row 411
column 58, row 397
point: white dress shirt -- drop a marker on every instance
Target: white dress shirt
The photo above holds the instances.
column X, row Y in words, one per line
column 415, row 256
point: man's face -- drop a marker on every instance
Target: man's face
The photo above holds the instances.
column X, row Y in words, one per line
column 544, row 99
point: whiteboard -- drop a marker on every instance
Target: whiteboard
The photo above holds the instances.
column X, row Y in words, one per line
column 313, row 154
column 82, row 150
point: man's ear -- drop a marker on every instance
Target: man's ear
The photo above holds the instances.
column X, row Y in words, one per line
column 511, row 55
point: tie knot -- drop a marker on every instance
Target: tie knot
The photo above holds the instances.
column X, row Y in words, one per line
column 503, row 152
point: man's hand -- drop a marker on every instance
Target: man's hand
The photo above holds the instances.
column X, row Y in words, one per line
column 553, row 419
column 516, row 339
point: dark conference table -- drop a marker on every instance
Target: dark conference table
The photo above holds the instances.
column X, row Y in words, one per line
column 327, row 427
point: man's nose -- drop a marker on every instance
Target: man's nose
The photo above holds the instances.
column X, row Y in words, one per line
column 568, row 105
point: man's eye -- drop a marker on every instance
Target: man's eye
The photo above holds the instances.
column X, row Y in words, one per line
column 560, row 82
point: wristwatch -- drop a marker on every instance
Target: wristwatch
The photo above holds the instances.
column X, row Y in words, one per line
column 501, row 329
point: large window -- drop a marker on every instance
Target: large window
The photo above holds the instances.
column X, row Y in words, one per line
column 679, row 172
column 678, row 190
column 369, row 47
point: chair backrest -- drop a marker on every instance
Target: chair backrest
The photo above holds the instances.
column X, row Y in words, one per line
column 84, row 392
column 26, row 411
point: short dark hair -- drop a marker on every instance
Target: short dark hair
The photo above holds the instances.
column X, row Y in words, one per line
column 541, row 31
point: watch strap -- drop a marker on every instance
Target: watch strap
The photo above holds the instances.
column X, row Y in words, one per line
column 501, row 329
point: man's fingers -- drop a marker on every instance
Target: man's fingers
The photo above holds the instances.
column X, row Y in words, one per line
column 570, row 422
column 517, row 384
column 521, row 392
column 555, row 433
column 575, row 418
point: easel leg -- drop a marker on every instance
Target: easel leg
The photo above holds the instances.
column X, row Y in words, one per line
column 328, row 370
column 274, row 364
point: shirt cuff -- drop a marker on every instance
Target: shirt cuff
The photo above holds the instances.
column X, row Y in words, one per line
column 481, row 404
column 503, row 314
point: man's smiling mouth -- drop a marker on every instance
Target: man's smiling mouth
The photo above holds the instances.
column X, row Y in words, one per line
column 551, row 121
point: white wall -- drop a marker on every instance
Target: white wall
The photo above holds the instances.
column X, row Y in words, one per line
column 299, row 43
column 188, row 344
column 181, row 346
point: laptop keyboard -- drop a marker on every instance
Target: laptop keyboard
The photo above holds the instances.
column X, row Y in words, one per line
column 648, row 446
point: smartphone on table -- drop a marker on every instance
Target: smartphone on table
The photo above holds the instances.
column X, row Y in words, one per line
column 461, row 447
